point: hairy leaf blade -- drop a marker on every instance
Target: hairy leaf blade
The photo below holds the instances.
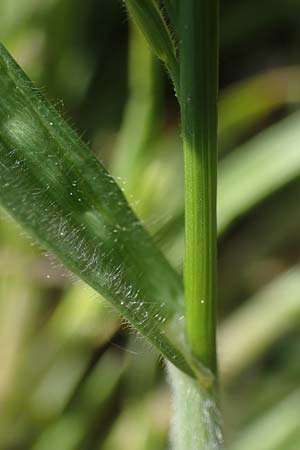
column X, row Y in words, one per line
column 172, row 9
column 52, row 184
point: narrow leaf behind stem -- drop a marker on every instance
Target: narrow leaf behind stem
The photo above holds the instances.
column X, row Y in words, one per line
column 151, row 22
column 135, row 144
column 53, row 185
column 198, row 93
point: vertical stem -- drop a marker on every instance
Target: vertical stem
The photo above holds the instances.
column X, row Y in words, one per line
column 198, row 94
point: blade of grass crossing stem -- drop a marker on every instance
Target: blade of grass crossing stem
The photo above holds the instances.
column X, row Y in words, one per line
column 198, row 92
column 54, row 186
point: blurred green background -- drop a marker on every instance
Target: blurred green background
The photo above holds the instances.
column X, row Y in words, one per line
column 72, row 375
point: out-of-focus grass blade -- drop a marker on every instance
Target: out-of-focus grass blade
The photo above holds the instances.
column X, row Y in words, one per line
column 15, row 14
column 274, row 429
column 271, row 313
column 82, row 318
column 78, row 326
column 17, row 316
column 54, row 186
column 44, row 382
column 260, row 167
column 264, row 388
column 142, row 425
column 244, row 103
column 55, row 389
column 135, row 148
column 71, row 429
column 263, row 235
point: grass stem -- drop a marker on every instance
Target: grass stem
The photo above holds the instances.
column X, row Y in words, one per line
column 198, row 92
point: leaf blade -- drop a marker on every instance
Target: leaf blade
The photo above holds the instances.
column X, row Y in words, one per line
column 53, row 185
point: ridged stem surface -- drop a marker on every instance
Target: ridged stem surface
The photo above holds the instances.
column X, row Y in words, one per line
column 198, row 94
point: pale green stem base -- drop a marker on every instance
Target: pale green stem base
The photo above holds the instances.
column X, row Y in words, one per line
column 195, row 416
